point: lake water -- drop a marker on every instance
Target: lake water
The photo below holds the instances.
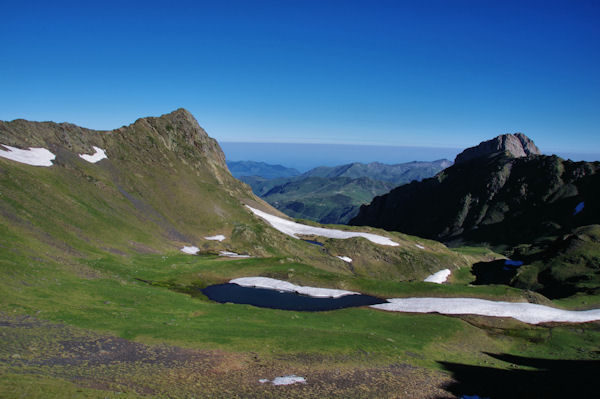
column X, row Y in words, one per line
column 314, row 242
column 268, row 298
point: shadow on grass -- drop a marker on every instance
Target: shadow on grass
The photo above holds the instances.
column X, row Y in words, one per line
column 550, row 379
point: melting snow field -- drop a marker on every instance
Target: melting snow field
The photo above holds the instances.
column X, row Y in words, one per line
column 419, row 246
column 345, row 258
column 98, row 155
column 525, row 312
column 32, row 156
column 271, row 283
column 292, row 228
column 286, row 380
column 438, row 277
column 219, row 237
column 190, row 250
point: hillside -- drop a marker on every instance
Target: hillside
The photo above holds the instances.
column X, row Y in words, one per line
column 397, row 174
column 163, row 186
column 334, row 194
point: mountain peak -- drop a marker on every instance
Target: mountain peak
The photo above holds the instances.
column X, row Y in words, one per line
column 515, row 145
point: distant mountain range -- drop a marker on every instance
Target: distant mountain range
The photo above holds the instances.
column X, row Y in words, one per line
column 397, row 174
column 331, row 194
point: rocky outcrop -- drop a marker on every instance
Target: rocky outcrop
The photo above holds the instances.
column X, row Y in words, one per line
column 513, row 145
column 499, row 193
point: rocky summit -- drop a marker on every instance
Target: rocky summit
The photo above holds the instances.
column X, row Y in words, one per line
column 514, row 145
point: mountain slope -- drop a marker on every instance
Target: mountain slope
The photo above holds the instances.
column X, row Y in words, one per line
column 398, row 174
column 541, row 211
column 334, row 194
column 324, row 200
column 496, row 197
column 165, row 185
column 146, row 184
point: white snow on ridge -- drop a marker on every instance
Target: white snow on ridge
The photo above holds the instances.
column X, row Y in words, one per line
column 525, row 312
column 271, row 283
column 98, row 155
column 32, row 156
column 285, row 380
column 345, row 258
column 292, row 228
column 419, row 246
column 190, row 250
column 438, row 277
column 218, row 237
column 232, row 254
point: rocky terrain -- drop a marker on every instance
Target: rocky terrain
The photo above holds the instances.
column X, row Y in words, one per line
column 499, row 192
column 503, row 193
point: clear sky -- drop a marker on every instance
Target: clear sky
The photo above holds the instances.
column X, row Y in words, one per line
column 420, row 73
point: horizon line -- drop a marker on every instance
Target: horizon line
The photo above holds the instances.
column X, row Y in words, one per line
column 338, row 143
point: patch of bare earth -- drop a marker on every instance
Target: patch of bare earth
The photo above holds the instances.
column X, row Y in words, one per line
column 30, row 346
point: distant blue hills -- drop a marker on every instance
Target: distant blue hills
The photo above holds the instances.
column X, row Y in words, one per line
column 329, row 194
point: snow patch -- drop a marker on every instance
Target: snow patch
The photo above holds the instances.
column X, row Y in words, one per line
column 419, row 246
column 438, row 277
column 190, row 250
column 98, row 155
column 32, row 156
column 274, row 284
column 292, row 228
column 232, row 254
column 285, row 380
column 219, row 237
column 525, row 312
column 345, row 258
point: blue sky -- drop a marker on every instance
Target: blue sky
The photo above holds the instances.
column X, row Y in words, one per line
column 422, row 73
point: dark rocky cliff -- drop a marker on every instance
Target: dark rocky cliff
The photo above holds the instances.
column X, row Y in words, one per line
column 499, row 192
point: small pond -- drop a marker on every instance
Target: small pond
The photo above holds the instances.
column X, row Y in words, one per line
column 269, row 298
column 314, row 242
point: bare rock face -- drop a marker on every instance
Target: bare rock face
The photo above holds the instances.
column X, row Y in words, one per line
column 502, row 191
column 515, row 145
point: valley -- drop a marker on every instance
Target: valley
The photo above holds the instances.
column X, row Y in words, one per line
column 330, row 195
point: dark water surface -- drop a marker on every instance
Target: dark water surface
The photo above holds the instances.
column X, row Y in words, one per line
column 267, row 298
column 314, row 242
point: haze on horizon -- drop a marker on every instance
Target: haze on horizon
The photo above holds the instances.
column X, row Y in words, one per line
column 432, row 74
